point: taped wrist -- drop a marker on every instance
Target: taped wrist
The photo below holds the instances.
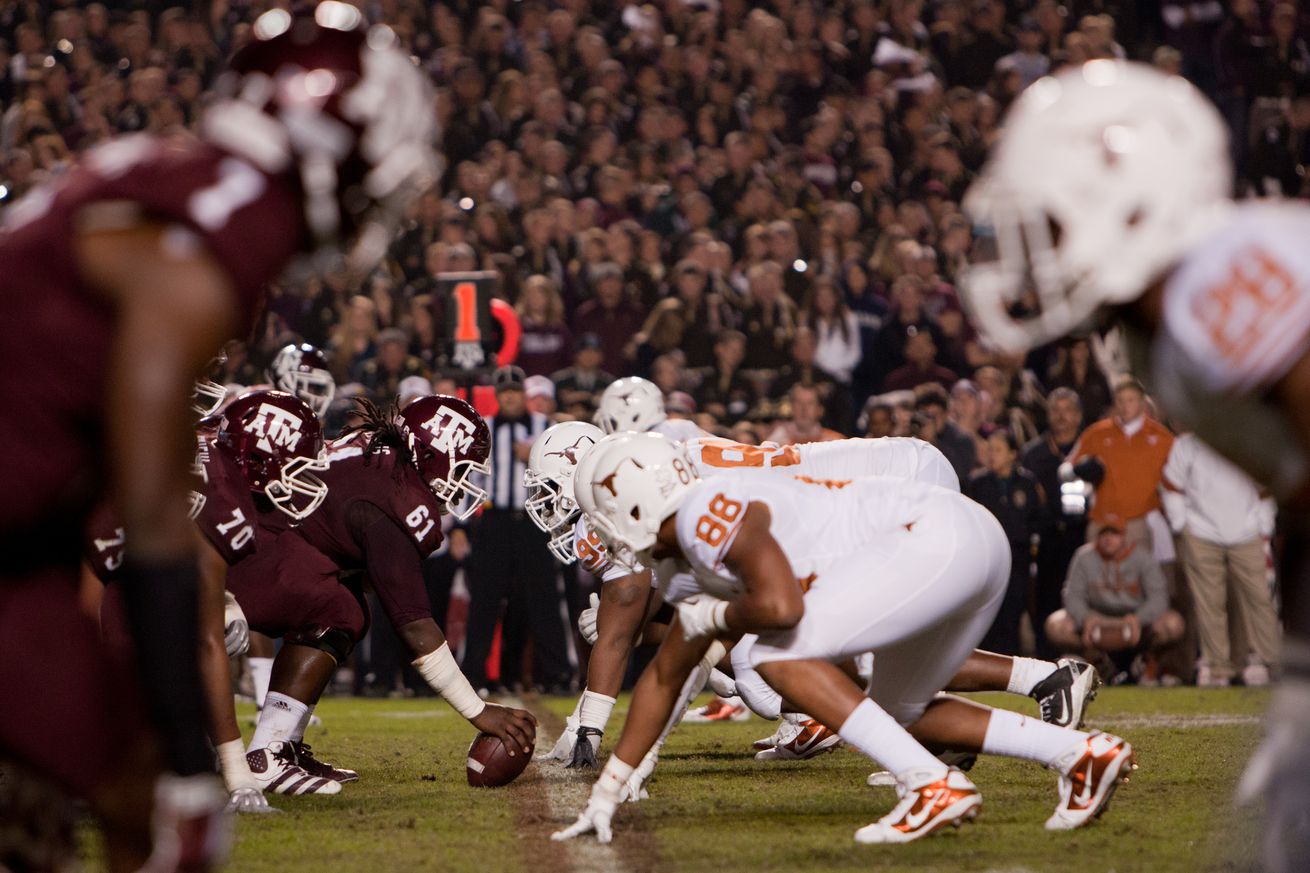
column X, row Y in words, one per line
column 594, row 710
column 439, row 670
column 163, row 608
column 613, row 779
column 232, row 761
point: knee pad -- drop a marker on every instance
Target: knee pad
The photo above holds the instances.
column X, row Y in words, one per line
column 337, row 643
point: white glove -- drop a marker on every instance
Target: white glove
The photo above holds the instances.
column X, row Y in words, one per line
column 605, row 797
column 236, row 630
column 702, row 617
column 587, row 621
column 563, row 748
column 722, row 684
column 634, row 789
column 250, row 801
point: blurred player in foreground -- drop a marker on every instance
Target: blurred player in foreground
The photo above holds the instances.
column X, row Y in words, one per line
column 118, row 283
column 1106, row 201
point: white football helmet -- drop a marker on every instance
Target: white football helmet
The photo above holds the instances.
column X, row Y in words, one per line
column 552, row 461
column 1102, row 178
column 630, row 404
column 302, row 370
column 635, row 482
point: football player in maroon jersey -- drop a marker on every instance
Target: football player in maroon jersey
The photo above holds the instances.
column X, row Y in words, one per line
column 116, row 284
column 389, row 481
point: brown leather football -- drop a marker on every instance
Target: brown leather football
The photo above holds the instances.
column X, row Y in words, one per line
column 490, row 764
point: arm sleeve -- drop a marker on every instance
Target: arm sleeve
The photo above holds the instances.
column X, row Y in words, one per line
column 1156, row 589
column 1075, row 589
column 393, row 564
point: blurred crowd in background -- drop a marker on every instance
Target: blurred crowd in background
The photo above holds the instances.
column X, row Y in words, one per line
column 754, row 205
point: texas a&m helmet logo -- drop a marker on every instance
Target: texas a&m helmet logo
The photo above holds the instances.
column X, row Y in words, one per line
column 451, row 432
column 273, row 427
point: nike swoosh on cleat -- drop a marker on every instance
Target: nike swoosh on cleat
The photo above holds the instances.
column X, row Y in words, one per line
column 915, row 820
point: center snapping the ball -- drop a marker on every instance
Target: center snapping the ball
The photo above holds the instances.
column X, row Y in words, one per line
column 490, row 764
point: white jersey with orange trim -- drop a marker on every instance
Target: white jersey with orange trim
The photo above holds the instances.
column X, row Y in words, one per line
column 899, row 457
column 816, row 522
column 1236, row 318
column 595, row 557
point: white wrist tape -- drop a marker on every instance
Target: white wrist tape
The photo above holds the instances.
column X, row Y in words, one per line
column 232, row 761
column 594, row 710
column 440, row 671
column 715, row 653
column 613, row 779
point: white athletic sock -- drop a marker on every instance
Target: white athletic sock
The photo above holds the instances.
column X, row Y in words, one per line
column 278, row 721
column 1026, row 673
column 1018, row 736
column 299, row 733
column 261, row 670
column 875, row 733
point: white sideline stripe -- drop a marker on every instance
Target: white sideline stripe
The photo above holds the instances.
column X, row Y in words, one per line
column 1208, row 720
column 566, row 795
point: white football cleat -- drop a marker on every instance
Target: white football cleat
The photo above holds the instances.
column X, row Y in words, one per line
column 1089, row 773
column 799, row 742
column 276, row 771
column 929, row 802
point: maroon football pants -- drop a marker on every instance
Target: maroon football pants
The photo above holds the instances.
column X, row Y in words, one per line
column 71, row 705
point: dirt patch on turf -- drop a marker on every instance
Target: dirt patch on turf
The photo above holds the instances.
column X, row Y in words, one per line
column 548, row 797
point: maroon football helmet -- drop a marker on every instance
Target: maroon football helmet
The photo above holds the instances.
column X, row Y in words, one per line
column 338, row 105
column 276, row 441
column 450, row 443
column 303, row 371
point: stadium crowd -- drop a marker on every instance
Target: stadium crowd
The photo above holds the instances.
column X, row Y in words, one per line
column 756, row 207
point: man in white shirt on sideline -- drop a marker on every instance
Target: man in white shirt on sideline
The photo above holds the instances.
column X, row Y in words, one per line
column 1223, row 519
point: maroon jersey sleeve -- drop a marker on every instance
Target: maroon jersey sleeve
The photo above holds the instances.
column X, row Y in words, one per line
column 56, row 333
column 224, row 510
column 103, row 544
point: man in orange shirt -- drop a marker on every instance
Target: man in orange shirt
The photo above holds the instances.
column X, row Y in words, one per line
column 1132, row 447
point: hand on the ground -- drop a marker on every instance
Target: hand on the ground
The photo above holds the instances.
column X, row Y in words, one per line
column 516, row 728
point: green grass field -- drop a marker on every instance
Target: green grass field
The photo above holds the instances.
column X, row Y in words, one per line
column 713, row 808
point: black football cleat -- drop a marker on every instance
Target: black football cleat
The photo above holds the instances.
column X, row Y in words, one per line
column 1063, row 696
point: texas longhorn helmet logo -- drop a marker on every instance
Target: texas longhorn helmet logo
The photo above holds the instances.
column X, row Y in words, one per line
column 451, row 431
column 272, row 426
column 570, row 453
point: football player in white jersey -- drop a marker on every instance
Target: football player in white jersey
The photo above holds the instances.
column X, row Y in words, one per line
column 636, row 404
column 1062, row 689
column 1106, row 199
column 819, row 569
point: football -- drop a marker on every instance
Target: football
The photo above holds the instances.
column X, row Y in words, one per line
column 490, row 764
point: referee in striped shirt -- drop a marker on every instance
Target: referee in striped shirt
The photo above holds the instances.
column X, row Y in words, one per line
column 510, row 565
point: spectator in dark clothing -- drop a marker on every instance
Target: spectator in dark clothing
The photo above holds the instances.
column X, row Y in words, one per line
column 803, row 370
column 381, row 375
column 958, row 447
column 723, row 391
column 578, row 385
column 472, row 121
column 979, row 54
column 907, row 312
column 769, row 319
column 546, row 342
column 920, row 365
column 1012, row 494
column 1075, row 368
column 610, row 316
column 707, row 314
column 1066, row 524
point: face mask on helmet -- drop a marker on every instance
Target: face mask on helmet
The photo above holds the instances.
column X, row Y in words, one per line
column 342, row 108
column 637, row 481
column 450, row 444
column 277, row 443
column 1103, row 178
column 208, row 395
column 302, row 371
column 552, row 464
